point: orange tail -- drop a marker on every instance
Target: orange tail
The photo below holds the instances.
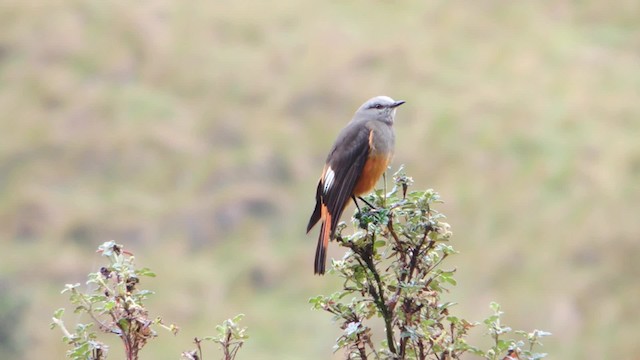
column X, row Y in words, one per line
column 323, row 242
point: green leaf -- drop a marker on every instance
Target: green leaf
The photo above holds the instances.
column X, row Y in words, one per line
column 379, row 243
column 81, row 351
column 109, row 305
column 494, row 306
column 143, row 294
column 315, row 301
column 124, row 324
column 503, row 345
column 58, row 313
column 145, row 272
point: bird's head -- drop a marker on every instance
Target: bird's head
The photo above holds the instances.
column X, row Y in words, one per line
column 380, row 108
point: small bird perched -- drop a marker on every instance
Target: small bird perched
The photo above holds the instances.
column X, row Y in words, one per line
column 356, row 161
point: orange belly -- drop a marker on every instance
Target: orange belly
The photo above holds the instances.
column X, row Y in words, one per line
column 373, row 169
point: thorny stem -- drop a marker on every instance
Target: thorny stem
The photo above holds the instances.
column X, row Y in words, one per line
column 227, row 341
column 66, row 332
column 373, row 348
column 198, row 341
column 130, row 349
column 361, row 349
column 380, row 301
column 392, row 232
column 377, row 292
column 421, row 350
column 89, row 307
column 407, row 276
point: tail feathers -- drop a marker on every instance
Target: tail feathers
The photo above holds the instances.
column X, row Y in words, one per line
column 314, row 217
column 323, row 242
column 316, row 211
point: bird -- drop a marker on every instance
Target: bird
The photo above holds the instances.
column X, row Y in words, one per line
column 360, row 155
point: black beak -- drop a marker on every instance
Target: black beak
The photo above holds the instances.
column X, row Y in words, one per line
column 397, row 103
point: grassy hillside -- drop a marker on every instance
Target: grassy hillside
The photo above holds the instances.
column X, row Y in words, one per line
column 194, row 133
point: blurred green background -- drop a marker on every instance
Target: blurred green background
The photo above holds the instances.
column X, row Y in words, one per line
column 194, row 134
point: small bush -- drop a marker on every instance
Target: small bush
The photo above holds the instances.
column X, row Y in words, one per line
column 114, row 304
column 395, row 270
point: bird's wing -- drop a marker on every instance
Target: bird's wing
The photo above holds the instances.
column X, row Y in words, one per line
column 344, row 166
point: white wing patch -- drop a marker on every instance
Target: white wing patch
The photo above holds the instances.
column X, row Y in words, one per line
column 328, row 179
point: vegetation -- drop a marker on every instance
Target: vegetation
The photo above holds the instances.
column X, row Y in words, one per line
column 194, row 133
column 395, row 270
column 114, row 304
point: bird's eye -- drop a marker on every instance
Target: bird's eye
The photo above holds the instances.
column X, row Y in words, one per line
column 378, row 106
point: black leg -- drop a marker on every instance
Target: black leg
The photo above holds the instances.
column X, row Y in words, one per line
column 355, row 202
column 366, row 202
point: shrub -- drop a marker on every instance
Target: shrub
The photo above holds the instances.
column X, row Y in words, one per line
column 395, row 270
column 114, row 303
